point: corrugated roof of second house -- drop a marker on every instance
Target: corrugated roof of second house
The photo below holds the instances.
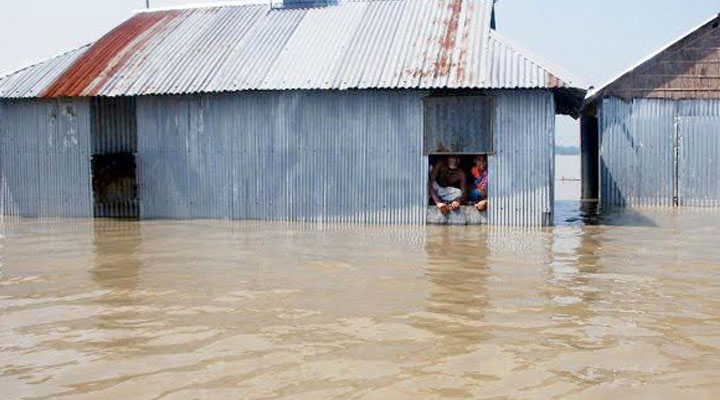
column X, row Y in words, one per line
column 351, row 45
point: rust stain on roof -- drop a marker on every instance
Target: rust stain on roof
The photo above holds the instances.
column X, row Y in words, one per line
column 440, row 49
column 89, row 72
column 447, row 41
column 464, row 45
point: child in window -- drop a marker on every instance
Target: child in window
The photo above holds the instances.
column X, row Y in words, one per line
column 479, row 194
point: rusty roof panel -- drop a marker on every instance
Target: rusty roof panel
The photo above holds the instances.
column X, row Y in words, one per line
column 353, row 45
column 31, row 81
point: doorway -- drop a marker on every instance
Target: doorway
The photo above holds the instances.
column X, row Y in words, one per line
column 114, row 152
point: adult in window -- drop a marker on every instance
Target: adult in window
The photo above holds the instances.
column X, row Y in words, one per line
column 448, row 184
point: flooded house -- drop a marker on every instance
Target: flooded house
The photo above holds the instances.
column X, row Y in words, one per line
column 290, row 111
column 650, row 136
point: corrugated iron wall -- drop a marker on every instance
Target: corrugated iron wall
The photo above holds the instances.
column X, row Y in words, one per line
column 327, row 156
column 637, row 153
column 652, row 151
column 522, row 170
column 298, row 156
column 114, row 126
column 45, row 158
column 184, row 166
column 699, row 153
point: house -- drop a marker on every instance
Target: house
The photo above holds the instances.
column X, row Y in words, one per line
column 299, row 111
column 650, row 136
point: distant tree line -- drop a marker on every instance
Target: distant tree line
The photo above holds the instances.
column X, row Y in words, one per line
column 567, row 150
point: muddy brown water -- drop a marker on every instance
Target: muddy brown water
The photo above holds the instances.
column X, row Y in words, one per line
column 625, row 306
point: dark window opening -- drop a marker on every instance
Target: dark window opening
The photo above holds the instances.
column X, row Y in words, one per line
column 474, row 167
column 115, row 185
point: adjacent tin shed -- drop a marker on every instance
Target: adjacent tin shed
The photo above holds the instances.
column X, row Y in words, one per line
column 302, row 112
column 651, row 137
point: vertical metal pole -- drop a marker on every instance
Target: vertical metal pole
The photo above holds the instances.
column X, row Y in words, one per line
column 676, row 164
column 147, row 4
column 589, row 157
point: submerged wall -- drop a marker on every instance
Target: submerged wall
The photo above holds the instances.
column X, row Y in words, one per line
column 522, row 170
column 45, row 158
column 659, row 153
column 327, row 156
column 298, row 156
column 349, row 156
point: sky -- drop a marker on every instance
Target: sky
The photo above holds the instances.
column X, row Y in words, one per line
column 594, row 40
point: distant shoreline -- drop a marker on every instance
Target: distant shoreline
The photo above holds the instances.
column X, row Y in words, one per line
column 567, row 150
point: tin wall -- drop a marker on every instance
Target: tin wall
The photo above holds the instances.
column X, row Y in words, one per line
column 327, row 156
column 654, row 151
column 699, row 153
column 636, row 152
column 522, row 170
column 45, row 158
column 298, row 156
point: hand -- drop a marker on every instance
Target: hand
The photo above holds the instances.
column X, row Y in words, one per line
column 455, row 205
column 482, row 205
column 442, row 207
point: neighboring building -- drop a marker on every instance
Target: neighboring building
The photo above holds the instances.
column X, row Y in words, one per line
column 653, row 132
column 298, row 112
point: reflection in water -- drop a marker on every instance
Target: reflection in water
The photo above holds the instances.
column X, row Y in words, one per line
column 620, row 305
column 116, row 247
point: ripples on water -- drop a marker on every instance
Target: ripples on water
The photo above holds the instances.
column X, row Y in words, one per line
column 621, row 306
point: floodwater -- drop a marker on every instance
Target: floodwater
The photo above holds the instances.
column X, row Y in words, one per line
column 625, row 306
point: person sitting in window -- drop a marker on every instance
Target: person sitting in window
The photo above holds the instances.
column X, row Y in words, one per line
column 479, row 195
column 447, row 184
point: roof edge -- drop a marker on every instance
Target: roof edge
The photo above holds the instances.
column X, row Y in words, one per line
column 11, row 72
column 562, row 74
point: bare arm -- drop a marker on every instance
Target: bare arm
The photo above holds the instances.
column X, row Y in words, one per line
column 433, row 176
column 463, row 187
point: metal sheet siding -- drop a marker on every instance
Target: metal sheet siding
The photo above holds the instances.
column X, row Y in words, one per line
column 637, row 152
column 377, row 44
column 114, row 125
column 45, row 158
column 653, row 127
column 699, row 153
column 460, row 124
column 699, row 169
column 183, row 163
column 297, row 156
column 617, row 154
column 522, row 169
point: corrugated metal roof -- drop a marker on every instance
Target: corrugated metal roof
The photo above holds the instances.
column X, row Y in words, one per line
column 352, row 45
column 31, row 81
column 512, row 66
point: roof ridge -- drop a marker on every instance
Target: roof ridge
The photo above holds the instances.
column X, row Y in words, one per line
column 246, row 3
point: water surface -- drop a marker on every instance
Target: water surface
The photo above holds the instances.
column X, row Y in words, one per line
column 625, row 306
